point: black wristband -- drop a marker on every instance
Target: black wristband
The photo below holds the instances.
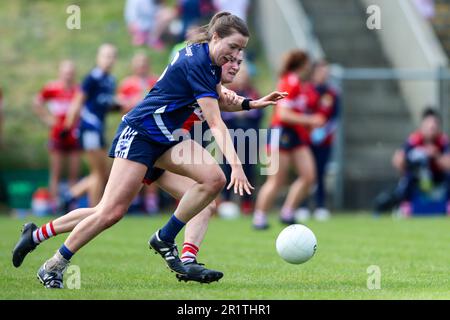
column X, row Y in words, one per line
column 246, row 104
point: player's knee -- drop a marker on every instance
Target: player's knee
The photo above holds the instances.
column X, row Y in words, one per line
column 218, row 182
column 308, row 180
column 112, row 216
column 215, row 182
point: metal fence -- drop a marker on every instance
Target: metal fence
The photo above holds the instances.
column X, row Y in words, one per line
column 341, row 77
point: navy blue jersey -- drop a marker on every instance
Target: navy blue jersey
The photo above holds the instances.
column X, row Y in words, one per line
column 191, row 75
column 99, row 88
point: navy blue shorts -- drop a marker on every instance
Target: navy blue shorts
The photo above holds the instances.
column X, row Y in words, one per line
column 284, row 139
column 132, row 145
column 91, row 139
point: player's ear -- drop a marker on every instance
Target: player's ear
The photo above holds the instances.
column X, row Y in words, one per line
column 215, row 37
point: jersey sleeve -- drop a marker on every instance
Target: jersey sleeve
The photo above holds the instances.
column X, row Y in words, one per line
column 46, row 93
column 291, row 85
column 203, row 82
column 444, row 142
column 88, row 85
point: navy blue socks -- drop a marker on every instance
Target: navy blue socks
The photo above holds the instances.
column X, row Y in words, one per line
column 171, row 229
column 65, row 252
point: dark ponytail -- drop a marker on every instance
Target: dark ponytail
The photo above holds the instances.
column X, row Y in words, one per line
column 293, row 60
column 224, row 24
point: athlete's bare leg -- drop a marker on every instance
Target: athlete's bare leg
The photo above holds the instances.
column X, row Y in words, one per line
column 303, row 161
column 204, row 170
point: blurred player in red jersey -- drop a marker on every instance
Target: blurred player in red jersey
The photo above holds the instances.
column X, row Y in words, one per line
column 133, row 88
column 292, row 119
column 424, row 163
column 321, row 139
column 131, row 91
column 51, row 105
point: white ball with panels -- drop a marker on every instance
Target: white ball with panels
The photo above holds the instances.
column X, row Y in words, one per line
column 296, row 244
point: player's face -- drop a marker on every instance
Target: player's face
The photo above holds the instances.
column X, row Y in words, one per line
column 140, row 66
column 231, row 68
column 226, row 49
column 67, row 71
column 106, row 57
column 430, row 127
column 321, row 74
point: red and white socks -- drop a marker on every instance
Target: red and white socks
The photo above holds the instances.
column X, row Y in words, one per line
column 43, row 233
column 189, row 253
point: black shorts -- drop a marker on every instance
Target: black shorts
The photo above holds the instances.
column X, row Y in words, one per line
column 284, row 139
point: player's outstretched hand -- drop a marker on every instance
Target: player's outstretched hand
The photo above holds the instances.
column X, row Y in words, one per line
column 268, row 100
column 239, row 181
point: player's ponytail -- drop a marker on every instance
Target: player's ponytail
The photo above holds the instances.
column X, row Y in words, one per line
column 224, row 24
column 293, row 60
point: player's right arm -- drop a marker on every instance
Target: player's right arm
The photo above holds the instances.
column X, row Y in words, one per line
column 398, row 160
column 40, row 108
column 75, row 109
column 289, row 116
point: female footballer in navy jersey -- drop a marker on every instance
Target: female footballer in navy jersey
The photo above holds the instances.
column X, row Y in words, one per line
column 146, row 139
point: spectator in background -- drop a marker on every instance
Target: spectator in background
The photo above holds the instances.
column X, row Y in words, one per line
column 321, row 139
column 91, row 104
column 236, row 7
column 194, row 13
column 426, row 8
column 133, row 88
column 147, row 20
column 424, row 163
column 131, row 91
column 51, row 105
column 245, row 120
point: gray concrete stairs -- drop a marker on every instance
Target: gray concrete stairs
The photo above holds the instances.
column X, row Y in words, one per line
column 375, row 118
column 441, row 23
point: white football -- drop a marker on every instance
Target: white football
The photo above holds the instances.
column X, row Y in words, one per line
column 296, row 244
column 229, row 210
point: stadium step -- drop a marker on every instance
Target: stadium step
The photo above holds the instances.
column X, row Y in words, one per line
column 376, row 120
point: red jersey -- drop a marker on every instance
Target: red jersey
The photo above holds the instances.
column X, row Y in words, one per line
column 328, row 107
column 58, row 99
column 416, row 141
column 302, row 98
column 133, row 89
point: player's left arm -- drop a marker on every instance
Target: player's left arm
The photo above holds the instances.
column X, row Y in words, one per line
column 443, row 160
column 231, row 102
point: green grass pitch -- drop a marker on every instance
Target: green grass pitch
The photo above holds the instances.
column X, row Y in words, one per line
column 413, row 257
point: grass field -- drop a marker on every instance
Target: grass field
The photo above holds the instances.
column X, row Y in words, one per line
column 413, row 256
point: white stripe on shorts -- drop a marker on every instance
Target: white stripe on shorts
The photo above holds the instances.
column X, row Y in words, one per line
column 124, row 143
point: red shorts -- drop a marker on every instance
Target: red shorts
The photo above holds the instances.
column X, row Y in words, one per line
column 62, row 140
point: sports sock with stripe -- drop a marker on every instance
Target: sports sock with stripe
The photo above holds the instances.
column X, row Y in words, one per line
column 44, row 232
